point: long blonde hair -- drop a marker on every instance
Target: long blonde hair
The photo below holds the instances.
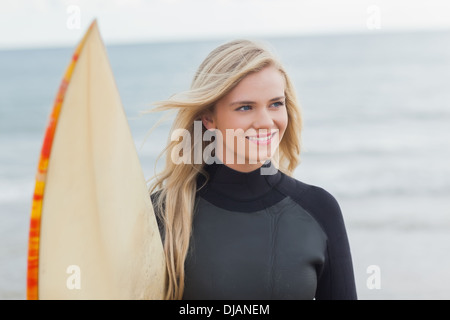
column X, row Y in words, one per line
column 176, row 184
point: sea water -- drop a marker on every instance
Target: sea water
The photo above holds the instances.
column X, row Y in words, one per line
column 376, row 135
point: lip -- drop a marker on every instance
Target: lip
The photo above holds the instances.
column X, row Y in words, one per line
column 261, row 139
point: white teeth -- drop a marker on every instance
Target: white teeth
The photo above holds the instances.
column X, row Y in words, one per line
column 260, row 139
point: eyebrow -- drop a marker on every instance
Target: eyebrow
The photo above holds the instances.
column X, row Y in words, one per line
column 253, row 102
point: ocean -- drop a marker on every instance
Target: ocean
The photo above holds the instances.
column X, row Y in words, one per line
column 376, row 113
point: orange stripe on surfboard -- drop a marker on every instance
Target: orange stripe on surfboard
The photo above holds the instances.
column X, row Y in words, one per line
column 41, row 175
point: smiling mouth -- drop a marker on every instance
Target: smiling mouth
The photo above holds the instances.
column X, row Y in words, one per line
column 261, row 140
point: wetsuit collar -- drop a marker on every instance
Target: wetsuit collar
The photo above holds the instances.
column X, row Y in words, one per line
column 242, row 185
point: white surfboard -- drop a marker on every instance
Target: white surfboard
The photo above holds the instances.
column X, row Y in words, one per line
column 93, row 232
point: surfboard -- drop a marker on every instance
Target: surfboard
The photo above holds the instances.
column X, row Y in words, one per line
column 93, row 232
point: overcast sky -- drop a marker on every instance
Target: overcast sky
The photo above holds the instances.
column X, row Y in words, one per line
column 37, row 23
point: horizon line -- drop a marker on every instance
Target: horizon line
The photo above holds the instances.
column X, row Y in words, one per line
column 215, row 38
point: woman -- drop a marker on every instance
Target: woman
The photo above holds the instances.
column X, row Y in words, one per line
column 234, row 223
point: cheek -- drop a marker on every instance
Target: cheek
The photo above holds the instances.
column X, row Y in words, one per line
column 282, row 122
column 232, row 121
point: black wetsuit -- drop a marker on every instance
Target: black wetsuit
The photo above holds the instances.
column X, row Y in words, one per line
column 261, row 236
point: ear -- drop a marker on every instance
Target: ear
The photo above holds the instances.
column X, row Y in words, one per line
column 208, row 121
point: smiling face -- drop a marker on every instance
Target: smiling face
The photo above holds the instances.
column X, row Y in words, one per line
column 251, row 118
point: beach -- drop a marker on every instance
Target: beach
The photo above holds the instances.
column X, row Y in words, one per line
column 376, row 117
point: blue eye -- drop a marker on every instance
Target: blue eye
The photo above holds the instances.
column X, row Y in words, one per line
column 243, row 108
column 277, row 104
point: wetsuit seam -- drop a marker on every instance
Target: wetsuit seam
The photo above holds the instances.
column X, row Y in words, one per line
column 296, row 204
column 261, row 211
column 274, row 232
column 309, row 212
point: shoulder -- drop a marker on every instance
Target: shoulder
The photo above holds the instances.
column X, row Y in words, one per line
column 303, row 192
column 317, row 201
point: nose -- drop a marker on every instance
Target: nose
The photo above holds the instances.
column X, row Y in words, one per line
column 263, row 119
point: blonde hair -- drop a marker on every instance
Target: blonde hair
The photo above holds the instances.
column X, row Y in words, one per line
column 176, row 184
